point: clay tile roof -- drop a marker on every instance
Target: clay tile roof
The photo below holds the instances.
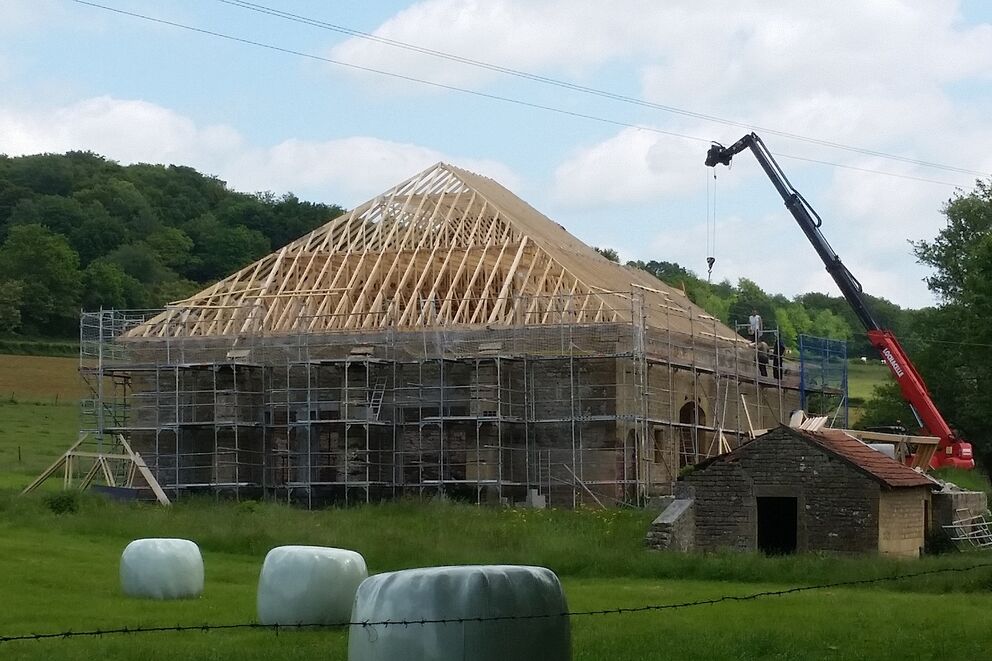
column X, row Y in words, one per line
column 884, row 469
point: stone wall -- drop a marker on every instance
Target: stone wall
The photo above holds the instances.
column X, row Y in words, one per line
column 901, row 517
column 837, row 504
column 674, row 529
column 950, row 505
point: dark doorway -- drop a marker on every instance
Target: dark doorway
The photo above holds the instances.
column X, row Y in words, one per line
column 777, row 525
column 690, row 436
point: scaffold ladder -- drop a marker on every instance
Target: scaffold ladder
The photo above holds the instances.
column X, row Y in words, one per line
column 375, row 398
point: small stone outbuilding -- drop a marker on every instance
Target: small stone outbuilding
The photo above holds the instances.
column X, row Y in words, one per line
column 792, row 490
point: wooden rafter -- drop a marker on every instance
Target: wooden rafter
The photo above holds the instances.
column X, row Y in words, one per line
column 445, row 247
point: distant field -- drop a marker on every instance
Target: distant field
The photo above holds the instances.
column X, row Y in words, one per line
column 863, row 377
column 32, row 436
column 39, row 414
column 40, row 379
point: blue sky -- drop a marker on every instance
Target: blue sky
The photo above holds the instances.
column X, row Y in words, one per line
column 905, row 78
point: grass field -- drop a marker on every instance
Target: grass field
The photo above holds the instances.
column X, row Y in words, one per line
column 32, row 436
column 39, row 411
column 40, row 379
column 59, row 572
column 863, row 377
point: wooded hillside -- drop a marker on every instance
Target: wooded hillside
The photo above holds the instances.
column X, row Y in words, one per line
column 80, row 231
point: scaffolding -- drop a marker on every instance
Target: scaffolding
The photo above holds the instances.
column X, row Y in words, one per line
column 601, row 413
column 823, row 384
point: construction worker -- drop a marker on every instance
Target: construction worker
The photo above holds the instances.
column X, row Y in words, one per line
column 754, row 325
column 762, row 358
column 778, row 350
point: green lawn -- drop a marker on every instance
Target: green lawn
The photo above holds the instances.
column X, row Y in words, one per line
column 32, row 436
column 60, row 572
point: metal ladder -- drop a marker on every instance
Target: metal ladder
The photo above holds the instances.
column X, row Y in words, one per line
column 376, row 397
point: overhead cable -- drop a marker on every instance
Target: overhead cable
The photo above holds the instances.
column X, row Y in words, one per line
column 615, row 96
column 476, row 93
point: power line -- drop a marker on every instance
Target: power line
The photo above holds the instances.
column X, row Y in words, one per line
column 262, row 9
column 385, row 624
column 476, row 93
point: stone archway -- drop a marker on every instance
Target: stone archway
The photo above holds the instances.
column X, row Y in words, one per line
column 691, row 417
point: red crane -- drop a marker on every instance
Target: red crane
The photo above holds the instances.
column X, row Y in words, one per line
column 951, row 451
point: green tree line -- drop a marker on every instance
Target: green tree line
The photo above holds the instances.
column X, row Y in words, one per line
column 951, row 343
column 807, row 314
column 80, row 231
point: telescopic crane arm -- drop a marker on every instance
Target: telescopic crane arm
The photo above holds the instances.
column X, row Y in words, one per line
column 952, row 451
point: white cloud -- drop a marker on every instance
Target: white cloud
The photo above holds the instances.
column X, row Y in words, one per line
column 772, row 251
column 363, row 165
column 563, row 35
column 682, row 44
column 16, row 15
column 345, row 171
column 632, row 166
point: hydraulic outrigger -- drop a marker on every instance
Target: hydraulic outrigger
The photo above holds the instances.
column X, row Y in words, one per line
column 951, row 451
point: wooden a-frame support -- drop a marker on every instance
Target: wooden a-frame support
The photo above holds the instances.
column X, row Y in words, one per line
column 119, row 451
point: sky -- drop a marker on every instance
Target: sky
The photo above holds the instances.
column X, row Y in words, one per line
column 902, row 78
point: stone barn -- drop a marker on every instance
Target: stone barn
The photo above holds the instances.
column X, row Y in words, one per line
column 790, row 490
column 443, row 338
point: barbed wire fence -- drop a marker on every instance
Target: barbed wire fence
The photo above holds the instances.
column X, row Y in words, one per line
column 368, row 624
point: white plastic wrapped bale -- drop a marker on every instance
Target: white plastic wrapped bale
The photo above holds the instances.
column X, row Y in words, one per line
column 309, row 585
column 461, row 592
column 162, row 569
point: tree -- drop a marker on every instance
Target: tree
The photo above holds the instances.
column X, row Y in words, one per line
column 123, row 201
column 59, row 214
column 952, row 344
column 294, row 217
column 172, row 246
column 98, row 234
column 609, row 253
column 45, row 174
column 750, row 297
column 106, row 285
column 220, row 250
column 10, row 306
column 828, row 324
column 885, row 408
column 952, row 252
column 144, row 234
column 668, row 272
column 141, row 262
column 48, row 269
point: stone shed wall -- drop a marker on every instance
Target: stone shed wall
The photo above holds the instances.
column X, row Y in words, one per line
column 838, row 506
column 901, row 516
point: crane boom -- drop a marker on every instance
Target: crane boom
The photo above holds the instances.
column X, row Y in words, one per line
column 952, row 451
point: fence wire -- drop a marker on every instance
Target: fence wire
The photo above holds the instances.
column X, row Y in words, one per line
column 385, row 624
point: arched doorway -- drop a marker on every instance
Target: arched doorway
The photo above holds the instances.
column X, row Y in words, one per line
column 691, row 415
